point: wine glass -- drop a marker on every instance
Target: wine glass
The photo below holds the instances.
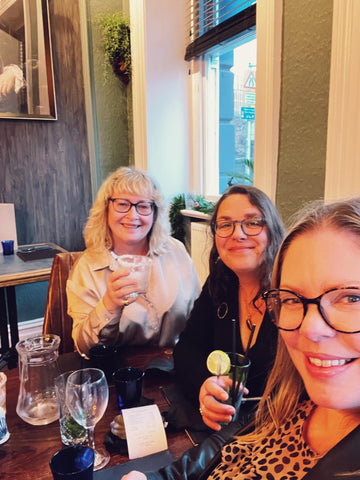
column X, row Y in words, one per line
column 87, row 396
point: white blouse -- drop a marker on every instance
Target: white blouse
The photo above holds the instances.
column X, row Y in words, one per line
column 157, row 317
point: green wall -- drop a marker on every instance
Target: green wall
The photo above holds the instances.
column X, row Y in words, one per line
column 111, row 99
column 307, row 27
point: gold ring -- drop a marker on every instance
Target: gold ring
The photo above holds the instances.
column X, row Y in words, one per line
column 125, row 302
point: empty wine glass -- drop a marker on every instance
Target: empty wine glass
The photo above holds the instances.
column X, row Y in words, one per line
column 87, row 396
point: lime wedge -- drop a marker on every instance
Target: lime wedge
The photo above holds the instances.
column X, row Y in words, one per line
column 218, row 363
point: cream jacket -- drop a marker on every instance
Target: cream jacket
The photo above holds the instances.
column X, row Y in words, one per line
column 156, row 318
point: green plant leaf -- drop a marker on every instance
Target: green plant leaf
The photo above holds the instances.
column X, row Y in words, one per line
column 115, row 32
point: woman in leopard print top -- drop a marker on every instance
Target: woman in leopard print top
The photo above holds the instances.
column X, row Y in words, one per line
column 308, row 420
column 284, row 455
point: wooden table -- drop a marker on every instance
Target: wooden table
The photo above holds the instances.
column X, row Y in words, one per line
column 15, row 271
column 27, row 453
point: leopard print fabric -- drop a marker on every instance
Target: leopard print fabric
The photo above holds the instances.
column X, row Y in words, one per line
column 283, row 456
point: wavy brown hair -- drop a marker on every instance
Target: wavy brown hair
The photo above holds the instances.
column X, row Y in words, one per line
column 221, row 277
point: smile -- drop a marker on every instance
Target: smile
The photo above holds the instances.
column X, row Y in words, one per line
column 127, row 225
column 241, row 248
column 329, row 363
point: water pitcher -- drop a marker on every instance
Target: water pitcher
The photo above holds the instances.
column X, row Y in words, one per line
column 38, row 369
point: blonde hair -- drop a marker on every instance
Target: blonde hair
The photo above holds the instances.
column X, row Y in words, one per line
column 285, row 388
column 132, row 181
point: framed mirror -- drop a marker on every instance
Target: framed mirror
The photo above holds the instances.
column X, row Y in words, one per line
column 26, row 67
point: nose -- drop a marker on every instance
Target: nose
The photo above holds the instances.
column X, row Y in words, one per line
column 314, row 326
column 238, row 231
column 132, row 212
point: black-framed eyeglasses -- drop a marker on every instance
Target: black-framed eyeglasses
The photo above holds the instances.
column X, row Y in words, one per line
column 339, row 308
column 123, row 206
column 250, row 226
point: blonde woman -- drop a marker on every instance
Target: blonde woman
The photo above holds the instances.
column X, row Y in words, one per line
column 129, row 217
column 308, row 422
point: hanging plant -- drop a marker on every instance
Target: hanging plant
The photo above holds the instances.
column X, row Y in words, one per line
column 115, row 31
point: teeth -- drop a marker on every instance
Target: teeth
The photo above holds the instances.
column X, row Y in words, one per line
column 328, row 363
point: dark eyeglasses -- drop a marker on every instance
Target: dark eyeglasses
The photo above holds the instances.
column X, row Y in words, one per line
column 339, row 308
column 250, row 226
column 122, row 206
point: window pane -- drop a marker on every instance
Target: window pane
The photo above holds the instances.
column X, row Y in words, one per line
column 230, row 114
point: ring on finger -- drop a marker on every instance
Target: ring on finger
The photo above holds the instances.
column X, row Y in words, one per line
column 125, row 302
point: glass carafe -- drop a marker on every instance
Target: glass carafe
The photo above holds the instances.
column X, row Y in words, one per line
column 38, row 369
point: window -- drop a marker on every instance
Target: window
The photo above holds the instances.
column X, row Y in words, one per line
column 229, row 114
column 186, row 170
column 226, row 55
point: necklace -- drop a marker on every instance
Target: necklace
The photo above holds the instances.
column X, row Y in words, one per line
column 249, row 323
column 252, row 309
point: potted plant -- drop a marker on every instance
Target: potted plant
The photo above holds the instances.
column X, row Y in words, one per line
column 115, row 31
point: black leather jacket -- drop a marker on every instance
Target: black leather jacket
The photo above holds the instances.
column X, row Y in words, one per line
column 198, row 462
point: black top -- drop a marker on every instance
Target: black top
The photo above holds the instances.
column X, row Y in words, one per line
column 205, row 331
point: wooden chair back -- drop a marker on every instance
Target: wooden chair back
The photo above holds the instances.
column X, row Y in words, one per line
column 56, row 319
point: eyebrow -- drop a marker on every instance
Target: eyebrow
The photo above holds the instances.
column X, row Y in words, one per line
column 246, row 217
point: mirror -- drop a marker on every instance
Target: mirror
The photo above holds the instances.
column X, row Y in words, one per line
column 26, row 70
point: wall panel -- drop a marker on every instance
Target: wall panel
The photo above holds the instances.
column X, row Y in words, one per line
column 45, row 168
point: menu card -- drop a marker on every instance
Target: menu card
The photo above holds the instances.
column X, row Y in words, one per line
column 145, row 433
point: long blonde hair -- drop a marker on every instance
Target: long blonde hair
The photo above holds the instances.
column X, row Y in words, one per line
column 128, row 181
column 285, row 388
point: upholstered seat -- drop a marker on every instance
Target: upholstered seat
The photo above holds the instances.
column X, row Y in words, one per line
column 56, row 319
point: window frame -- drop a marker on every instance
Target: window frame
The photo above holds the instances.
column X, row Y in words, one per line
column 268, row 34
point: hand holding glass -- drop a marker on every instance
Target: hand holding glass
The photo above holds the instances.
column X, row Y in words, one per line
column 139, row 267
column 87, row 396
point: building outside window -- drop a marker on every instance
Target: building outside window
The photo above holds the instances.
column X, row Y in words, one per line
column 230, row 113
column 224, row 47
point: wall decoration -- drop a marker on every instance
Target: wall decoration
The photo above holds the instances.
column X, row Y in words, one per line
column 26, row 70
column 115, row 31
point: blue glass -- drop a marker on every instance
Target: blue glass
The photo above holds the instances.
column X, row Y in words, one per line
column 75, row 462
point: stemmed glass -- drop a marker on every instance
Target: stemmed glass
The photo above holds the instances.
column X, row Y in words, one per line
column 87, row 396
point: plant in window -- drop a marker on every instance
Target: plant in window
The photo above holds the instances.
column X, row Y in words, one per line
column 199, row 204
column 247, row 176
column 115, row 30
column 176, row 219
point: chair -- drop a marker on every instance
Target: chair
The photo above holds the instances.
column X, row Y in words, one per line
column 56, row 319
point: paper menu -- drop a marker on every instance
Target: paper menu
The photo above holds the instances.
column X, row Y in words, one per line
column 145, row 433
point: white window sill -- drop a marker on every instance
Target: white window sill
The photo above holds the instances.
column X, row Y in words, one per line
column 195, row 214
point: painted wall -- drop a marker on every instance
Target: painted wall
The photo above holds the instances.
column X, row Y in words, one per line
column 111, row 98
column 307, row 28
column 161, row 124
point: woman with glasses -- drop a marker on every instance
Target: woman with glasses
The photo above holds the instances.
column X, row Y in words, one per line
column 129, row 217
column 308, row 422
column 247, row 231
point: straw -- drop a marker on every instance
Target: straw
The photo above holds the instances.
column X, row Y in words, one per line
column 233, row 356
column 253, row 326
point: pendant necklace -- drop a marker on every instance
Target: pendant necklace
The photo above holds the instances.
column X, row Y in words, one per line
column 249, row 323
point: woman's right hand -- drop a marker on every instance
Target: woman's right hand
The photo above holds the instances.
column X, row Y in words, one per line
column 212, row 394
column 134, row 475
column 119, row 287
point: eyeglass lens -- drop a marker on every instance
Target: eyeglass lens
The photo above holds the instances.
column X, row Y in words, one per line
column 251, row 227
column 123, row 206
column 340, row 308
